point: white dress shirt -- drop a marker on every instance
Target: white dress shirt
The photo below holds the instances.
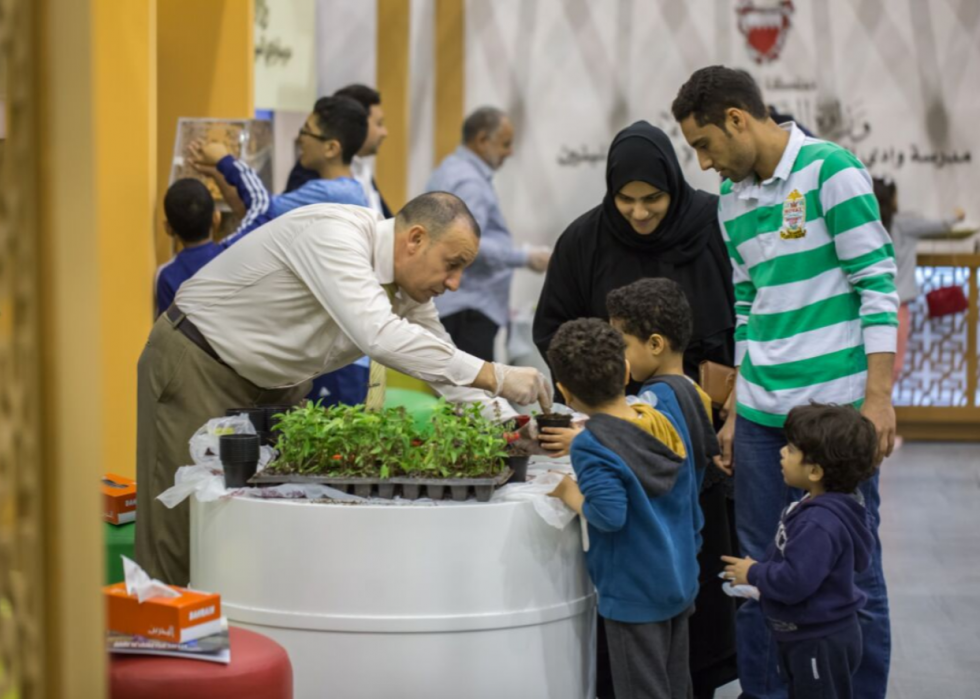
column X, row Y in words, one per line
column 363, row 171
column 302, row 296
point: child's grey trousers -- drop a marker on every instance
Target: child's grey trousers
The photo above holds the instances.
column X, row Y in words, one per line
column 650, row 661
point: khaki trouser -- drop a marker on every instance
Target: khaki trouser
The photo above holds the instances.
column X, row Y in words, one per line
column 180, row 387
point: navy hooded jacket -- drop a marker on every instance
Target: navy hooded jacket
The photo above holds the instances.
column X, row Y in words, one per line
column 806, row 581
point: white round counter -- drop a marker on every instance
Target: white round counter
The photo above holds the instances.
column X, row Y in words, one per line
column 402, row 602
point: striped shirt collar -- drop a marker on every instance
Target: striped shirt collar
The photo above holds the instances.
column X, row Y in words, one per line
column 750, row 186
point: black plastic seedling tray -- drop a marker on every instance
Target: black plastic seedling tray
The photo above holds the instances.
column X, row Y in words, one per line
column 387, row 488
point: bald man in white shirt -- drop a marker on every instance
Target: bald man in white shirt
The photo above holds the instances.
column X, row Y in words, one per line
column 305, row 294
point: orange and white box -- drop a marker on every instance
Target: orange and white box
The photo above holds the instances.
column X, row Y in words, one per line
column 118, row 499
column 189, row 617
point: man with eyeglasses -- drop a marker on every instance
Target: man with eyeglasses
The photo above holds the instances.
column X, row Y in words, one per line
column 362, row 166
column 332, row 134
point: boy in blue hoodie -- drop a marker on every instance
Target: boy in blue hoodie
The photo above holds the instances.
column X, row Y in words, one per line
column 637, row 491
column 806, row 581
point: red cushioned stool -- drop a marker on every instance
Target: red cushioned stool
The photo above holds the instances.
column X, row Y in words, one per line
column 259, row 669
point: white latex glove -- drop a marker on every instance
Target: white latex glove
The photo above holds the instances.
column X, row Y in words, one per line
column 522, row 385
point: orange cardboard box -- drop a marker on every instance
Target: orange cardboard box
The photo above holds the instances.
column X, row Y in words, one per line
column 189, row 617
column 118, row 499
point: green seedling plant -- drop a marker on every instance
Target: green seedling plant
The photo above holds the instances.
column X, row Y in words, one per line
column 466, row 443
column 350, row 441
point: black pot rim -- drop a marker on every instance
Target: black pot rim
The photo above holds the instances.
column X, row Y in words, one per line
column 551, row 421
column 238, row 447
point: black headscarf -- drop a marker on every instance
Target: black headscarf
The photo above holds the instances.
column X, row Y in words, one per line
column 600, row 251
column 644, row 153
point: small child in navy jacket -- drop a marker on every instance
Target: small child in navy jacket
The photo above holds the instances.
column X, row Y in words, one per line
column 806, row 581
column 635, row 491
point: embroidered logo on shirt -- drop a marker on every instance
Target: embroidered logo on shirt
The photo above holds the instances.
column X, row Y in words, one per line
column 794, row 216
column 781, row 538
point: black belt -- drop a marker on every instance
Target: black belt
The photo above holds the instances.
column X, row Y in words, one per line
column 183, row 323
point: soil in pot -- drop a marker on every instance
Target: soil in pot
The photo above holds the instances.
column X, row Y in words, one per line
column 553, row 420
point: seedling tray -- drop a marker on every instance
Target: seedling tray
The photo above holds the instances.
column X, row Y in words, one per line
column 458, row 489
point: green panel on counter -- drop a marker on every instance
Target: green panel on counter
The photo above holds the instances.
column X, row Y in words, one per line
column 419, row 405
column 119, row 540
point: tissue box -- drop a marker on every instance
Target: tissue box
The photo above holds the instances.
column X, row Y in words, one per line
column 118, row 499
column 189, row 617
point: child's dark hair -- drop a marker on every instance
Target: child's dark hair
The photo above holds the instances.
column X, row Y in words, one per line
column 189, row 208
column 710, row 91
column 838, row 438
column 343, row 119
column 588, row 357
column 653, row 306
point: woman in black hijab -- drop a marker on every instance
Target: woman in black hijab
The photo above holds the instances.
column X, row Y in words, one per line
column 652, row 223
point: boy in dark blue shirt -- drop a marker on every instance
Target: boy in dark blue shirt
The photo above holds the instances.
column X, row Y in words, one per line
column 191, row 218
column 328, row 141
column 806, row 581
column 637, row 493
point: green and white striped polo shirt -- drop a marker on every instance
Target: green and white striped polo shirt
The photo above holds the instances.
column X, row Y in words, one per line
column 814, row 275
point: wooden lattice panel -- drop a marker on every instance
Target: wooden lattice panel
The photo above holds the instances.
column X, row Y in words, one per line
column 21, row 589
column 935, row 371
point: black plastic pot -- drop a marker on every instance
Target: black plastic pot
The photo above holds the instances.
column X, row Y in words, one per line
column 553, row 421
column 237, row 473
column 239, row 457
column 518, row 465
column 238, row 447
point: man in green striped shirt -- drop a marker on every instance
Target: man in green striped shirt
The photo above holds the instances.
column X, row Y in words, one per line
column 816, row 311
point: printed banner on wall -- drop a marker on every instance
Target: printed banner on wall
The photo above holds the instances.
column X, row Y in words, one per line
column 890, row 81
column 285, row 54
